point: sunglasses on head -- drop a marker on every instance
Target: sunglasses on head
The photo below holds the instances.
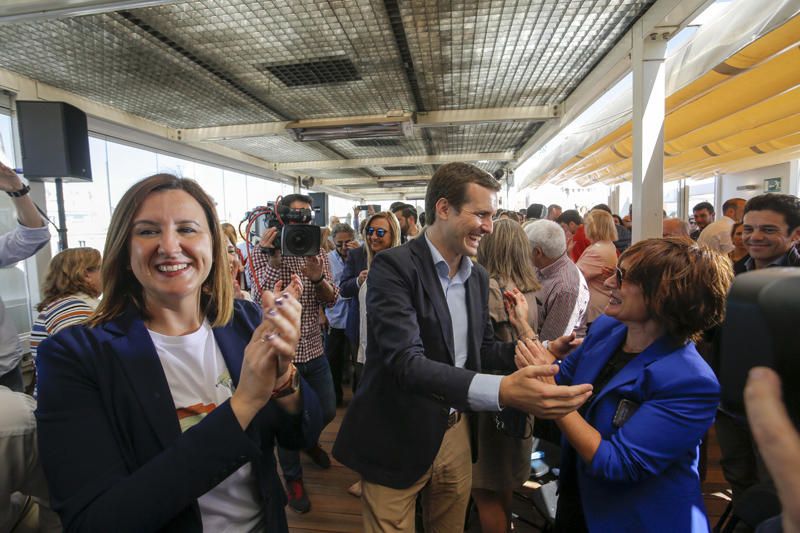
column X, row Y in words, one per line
column 620, row 276
column 380, row 231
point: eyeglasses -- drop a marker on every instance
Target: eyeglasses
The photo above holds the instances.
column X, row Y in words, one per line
column 380, row 231
column 620, row 276
column 342, row 244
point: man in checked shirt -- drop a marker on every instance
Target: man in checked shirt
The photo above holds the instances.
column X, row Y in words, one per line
column 319, row 292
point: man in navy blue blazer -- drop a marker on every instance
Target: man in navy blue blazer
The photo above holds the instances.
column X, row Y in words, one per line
column 429, row 337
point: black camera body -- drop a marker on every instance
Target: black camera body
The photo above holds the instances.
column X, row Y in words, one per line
column 296, row 237
column 760, row 329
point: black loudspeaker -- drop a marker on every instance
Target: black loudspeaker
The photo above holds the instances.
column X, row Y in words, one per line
column 54, row 140
column 320, row 206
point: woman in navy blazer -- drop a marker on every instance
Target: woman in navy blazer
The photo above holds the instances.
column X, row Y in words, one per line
column 114, row 453
column 630, row 454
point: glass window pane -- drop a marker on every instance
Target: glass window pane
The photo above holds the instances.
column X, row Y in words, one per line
column 12, row 278
column 175, row 165
column 210, row 179
column 236, row 198
column 126, row 166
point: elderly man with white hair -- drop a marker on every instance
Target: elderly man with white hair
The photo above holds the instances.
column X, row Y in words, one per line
column 564, row 296
column 675, row 227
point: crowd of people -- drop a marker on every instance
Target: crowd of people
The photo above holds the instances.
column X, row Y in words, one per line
column 178, row 370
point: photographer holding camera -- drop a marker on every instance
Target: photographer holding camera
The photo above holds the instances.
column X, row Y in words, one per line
column 318, row 292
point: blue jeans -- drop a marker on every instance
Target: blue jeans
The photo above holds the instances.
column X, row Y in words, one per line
column 317, row 374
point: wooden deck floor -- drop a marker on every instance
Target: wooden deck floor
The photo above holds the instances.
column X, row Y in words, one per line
column 333, row 509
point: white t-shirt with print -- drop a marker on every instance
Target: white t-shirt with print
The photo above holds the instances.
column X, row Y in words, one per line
column 199, row 381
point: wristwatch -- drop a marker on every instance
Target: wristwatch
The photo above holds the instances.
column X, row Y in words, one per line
column 290, row 386
column 22, row 192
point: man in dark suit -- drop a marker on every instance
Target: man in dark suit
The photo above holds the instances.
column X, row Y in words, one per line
column 429, row 336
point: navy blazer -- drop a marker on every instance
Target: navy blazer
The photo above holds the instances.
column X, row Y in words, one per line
column 111, row 445
column 395, row 424
column 348, row 288
column 644, row 475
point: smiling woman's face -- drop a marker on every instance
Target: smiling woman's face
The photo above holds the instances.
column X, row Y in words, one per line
column 376, row 242
column 171, row 247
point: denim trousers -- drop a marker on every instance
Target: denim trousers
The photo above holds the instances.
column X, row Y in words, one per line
column 317, row 373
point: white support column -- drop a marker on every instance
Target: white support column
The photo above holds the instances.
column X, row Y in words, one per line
column 613, row 199
column 718, row 199
column 683, row 200
column 794, row 178
column 648, row 132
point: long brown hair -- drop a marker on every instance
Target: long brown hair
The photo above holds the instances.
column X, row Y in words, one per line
column 120, row 286
column 506, row 255
column 66, row 275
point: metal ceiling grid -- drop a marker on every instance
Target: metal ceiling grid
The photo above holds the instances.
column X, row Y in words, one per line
column 495, row 137
column 419, row 170
column 400, row 147
column 335, row 174
column 483, row 54
column 243, row 37
column 278, row 148
column 103, row 58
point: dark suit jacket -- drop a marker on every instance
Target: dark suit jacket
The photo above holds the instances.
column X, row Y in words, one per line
column 348, row 288
column 395, row 424
column 110, row 443
column 644, row 475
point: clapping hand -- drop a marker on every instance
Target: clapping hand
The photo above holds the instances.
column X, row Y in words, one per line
column 267, row 356
column 9, row 181
column 295, row 288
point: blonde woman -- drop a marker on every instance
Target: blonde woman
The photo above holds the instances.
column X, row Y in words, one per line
column 503, row 461
column 70, row 290
column 599, row 260
column 381, row 232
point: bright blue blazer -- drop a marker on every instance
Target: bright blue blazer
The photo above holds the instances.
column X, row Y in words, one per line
column 111, row 445
column 644, row 475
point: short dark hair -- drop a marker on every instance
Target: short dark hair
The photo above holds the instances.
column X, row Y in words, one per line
column 289, row 199
column 684, row 284
column 570, row 215
column 421, row 219
column 396, row 205
column 407, row 210
column 450, row 182
column 602, row 207
column 551, row 207
column 703, row 205
column 785, row 204
column 536, row 211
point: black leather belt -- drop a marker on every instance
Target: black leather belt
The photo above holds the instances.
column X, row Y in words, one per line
column 453, row 419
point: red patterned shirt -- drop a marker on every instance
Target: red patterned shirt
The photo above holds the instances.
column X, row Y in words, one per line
column 310, row 345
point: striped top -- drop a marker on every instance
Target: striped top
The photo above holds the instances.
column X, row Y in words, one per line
column 562, row 300
column 61, row 314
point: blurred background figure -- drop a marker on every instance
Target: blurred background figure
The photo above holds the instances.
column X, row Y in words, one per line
column 739, row 251
column 598, row 261
column 71, row 290
column 504, row 460
column 674, row 227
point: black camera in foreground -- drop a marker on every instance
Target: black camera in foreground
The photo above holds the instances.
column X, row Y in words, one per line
column 296, row 237
column 762, row 328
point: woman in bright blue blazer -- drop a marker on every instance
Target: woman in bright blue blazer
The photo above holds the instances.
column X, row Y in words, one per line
column 630, row 454
column 138, row 431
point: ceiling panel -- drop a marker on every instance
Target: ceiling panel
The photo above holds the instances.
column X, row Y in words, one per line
column 278, row 149
column 243, row 36
column 496, row 137
column 498, row 53
column 104, row 58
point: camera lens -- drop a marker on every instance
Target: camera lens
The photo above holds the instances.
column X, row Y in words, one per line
column 300, row 240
